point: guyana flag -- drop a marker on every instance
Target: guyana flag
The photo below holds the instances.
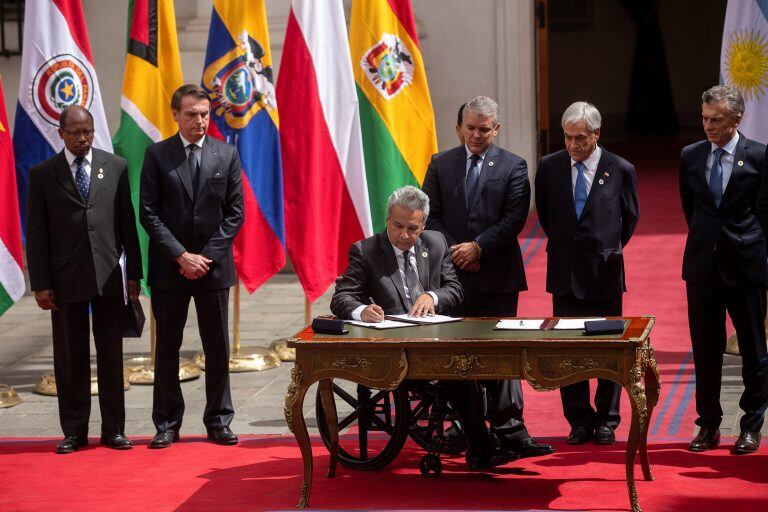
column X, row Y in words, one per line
column 396, row 115
column 152, row 74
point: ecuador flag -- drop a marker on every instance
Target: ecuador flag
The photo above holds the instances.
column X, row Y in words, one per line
column 238, row 76
column 152, row 74
column 396, row 115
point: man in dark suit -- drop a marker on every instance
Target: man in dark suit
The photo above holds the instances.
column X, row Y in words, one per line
column 405, row 269
column 724, row 264
column 79, row 221
column 192, row 208
column 586, row 199
column 480, row 195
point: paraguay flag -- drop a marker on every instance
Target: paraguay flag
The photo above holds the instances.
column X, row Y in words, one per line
column 238, row 76
column 56, row 72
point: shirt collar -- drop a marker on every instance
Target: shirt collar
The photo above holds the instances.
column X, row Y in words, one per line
column 481, row 155
column 71, row 157
column 186, row 143
column 729, row 148
column 592, row 160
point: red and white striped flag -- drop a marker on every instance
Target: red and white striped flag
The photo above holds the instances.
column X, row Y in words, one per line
column 325, row 190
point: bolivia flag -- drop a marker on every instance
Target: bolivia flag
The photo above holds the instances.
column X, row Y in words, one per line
column 395, row 108
column 11, row 274
column 238, row 76
column 152, row 74
column 326, row 197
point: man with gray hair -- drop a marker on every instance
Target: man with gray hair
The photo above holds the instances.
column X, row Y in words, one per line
column 405, row 269
column 480, row 196
column 725, row 201
column 586, row 199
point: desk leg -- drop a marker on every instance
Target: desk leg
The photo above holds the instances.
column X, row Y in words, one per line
column 325, row 387
column 639, row 426
column 294, row 415
column 652, row 389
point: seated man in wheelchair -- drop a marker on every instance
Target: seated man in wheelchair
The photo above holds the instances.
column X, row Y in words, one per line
column 405, row 269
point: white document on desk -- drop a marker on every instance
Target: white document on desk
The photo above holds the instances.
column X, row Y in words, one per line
column 528, row 324
column 384, row 324
column 573, row 323
column 436, row 319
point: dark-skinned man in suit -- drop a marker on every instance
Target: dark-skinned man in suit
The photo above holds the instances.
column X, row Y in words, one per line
column 192, row 208
column 586, row 199
column 479, row 194
column 405, row 269
column 724, row 192
column 79, row 221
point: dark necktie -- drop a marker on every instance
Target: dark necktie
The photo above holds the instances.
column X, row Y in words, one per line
column 194, row 166
column 473, row 174
column 580, row 190
column 81, row 178
column 411, row 280
column 716, row 177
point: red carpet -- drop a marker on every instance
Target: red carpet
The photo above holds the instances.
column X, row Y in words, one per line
column 262, row 473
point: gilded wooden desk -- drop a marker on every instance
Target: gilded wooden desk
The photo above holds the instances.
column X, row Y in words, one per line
column 472, row 349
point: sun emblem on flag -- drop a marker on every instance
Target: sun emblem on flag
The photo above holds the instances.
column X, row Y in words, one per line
column 746, row 62
column 240, row 84
column 62, row 81
column 388, row 66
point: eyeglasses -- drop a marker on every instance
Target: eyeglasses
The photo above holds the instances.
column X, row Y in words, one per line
column 82, row 133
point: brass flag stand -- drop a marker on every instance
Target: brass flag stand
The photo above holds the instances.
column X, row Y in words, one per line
column 244, row 359
column 141, row 369
column 8, row 396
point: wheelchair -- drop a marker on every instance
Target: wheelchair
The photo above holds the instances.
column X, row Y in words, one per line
column 383, row 420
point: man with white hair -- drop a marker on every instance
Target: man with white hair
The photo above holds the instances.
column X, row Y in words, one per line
column 586, row 198
column 723, row 185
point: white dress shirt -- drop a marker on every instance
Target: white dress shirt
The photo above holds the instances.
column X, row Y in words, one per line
column 87, row 159
column 358, row 311
column 589, row 173
column 199, row 144
column 469, row 162
column 726, row 161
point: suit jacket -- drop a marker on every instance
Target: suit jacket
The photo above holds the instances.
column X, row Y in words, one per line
column 732, row 237
column 494, row 220
column 74, row 246
column 585, row 255
column 178, row 218
column 373, row 273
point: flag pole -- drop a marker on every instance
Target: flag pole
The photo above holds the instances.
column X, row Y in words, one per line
column 307, row 311
column 244, row 359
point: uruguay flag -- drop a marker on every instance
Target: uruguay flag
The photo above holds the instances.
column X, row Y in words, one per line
column 238, row 76
column 56, row 72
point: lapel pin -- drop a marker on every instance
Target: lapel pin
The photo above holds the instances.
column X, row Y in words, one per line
column 101, row 174
column 490, row 164
column 424, row 254
column 741, row 163
column 601, row 181
column 606, row 174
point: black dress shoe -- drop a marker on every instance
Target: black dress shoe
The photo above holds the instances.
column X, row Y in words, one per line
column 748, row 442
column 116, row 441
column 164, row 439
column 222, row 435
column 70, row 444
column 489, row 454
column 580, row 435
column 604, row 435
column 530, row 448
column 706, row 439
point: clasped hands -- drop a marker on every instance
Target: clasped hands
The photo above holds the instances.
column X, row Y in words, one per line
column 193, row 266
column 466, row 256
column 424, row 306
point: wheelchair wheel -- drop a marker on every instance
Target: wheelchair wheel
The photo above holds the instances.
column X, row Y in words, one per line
column 421, row 399
column 378, row 419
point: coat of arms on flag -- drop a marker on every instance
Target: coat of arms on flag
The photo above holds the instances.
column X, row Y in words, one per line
column 239, row 83
column 60, row 82
column 388, row 65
